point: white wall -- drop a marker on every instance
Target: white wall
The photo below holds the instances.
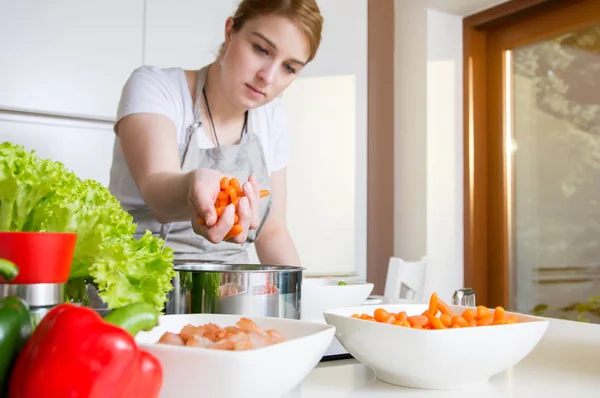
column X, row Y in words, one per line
column 444, row 152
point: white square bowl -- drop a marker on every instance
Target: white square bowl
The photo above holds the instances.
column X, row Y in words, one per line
column 322, row 294
column 268, row 372
column 434, row 359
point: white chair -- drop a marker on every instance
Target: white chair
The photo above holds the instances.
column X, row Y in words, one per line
column 405, row 282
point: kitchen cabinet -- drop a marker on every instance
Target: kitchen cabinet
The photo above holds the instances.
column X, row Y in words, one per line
column 84, row 147
column 68, row 57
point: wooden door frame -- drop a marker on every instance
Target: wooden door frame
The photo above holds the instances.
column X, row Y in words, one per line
column 380, row 142
column 486, row 235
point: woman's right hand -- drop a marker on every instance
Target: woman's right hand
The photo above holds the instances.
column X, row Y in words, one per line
column 203, row 191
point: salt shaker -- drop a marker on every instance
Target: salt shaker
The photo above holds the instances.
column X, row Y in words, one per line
column 464, row 297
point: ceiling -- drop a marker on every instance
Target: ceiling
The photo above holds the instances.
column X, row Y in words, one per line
column 463, row 7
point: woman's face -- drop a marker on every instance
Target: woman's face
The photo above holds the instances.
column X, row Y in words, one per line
column 262, row 59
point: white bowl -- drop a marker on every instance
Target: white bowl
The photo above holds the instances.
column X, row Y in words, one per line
column 322, row 294
column 269, row 372
column 434, row 359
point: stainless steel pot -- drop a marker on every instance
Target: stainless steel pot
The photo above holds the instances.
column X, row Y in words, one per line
column 240, row 289
column 40, row 297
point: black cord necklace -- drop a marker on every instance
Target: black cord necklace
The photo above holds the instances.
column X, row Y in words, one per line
column 213, row 124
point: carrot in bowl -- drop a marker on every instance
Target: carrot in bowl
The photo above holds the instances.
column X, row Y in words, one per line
column 439, row 315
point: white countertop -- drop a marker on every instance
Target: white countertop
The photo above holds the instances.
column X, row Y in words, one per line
column 566, row 364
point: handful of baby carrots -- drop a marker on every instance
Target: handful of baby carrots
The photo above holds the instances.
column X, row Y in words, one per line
column 447, row 319
column 231, row 192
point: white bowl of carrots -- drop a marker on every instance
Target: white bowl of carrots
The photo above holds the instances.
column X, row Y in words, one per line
column 435, row 345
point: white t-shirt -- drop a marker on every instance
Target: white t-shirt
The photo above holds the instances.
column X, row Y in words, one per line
column 165, row 91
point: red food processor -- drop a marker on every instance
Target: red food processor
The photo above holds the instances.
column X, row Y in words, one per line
column 44, row 263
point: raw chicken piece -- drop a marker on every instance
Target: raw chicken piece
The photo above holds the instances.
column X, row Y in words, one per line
column 276, row 337
column 245, row 335
column 236, row 342
column 171, row 338
column 189, row 330
column 247, row 326
column 199, row 341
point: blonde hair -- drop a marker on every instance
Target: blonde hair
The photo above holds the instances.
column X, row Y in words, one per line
column 304, row 13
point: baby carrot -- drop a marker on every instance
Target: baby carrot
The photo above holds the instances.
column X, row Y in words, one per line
column 446, row 319
column 460, row 321
column 232, row 193
column 437, row 323
column 381, row 315
column 236, row 185
column 498, row 314
column 264, row 192
column 223, row 202
column 433, row 305
column 404, row 323
column 482, row 312
column 444, row 308
column 234, row 231
column 486, row 320
column 469, row 314
column 222, row 195
column 224, row 183
column 418, row 320
column 401, row 316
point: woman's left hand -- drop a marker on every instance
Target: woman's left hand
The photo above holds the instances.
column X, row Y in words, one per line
column 244, row 214
column 252, row 192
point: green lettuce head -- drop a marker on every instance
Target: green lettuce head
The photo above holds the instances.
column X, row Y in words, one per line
column 42, row 195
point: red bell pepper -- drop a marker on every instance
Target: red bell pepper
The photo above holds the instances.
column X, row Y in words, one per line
column 75, row 353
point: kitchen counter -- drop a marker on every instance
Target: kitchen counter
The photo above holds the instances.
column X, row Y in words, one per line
column 566, row 363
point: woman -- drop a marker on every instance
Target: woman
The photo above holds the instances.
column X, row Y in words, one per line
column 179, row 132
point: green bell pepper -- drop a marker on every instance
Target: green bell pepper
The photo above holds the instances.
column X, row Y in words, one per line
column 15, row 326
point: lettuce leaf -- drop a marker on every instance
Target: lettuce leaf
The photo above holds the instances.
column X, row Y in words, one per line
column 24, row 181
column 134, row 270
column 43, row 195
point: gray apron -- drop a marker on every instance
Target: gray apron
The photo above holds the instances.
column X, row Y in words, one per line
column 240, row 161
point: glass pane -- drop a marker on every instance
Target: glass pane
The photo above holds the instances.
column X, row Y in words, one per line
column 556, row 175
